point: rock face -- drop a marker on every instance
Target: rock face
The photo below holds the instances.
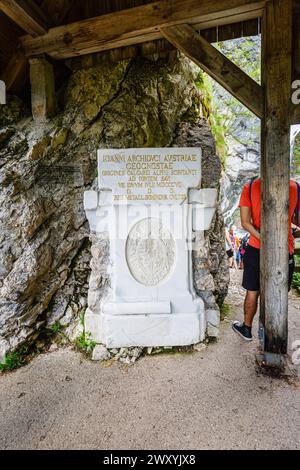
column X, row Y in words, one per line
column 241, row 127
column 45, row 251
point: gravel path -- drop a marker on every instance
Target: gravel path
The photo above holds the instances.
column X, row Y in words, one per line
column 213, row 399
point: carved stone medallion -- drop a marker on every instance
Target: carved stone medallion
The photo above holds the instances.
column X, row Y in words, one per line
column 150, row 252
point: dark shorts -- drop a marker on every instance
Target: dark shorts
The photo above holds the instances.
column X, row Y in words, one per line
column 251, row 269
column 229, row 253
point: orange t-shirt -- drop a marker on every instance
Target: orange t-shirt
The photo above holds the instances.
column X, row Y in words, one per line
column 254, row 203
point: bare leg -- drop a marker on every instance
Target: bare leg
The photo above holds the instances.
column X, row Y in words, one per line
column 234, row 263
column 250, row 306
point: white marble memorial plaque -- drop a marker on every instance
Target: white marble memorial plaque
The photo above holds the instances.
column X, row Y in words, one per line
column 149, row 202
column 139, row 176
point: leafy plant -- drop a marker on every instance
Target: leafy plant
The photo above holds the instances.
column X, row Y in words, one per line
column 296, row 281
column 15, row 359
column 55, row 328
column 215, row 118
column 81, row 319
column 85, row 343
column 296, row 156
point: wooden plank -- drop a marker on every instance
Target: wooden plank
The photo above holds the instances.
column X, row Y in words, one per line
column 213, row 62
column 56, row 10
column 250, row 27
column 275, row 173
column 43, row 100
column 136, row 25
column 26, row 14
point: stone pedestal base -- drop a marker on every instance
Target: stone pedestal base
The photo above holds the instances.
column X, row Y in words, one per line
column 117, row 331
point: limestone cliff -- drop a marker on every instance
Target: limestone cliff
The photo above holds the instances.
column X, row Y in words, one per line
column 46, row 167
column 241, row 128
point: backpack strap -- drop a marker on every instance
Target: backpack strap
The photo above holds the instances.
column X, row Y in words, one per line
column 250, row 187
column 250, row 195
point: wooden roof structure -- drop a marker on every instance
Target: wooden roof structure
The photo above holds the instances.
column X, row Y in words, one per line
column 68, row 29
column 49, row 33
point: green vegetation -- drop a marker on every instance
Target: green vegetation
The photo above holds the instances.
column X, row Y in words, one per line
column 296, row 277
column 296, row 282
column 215, row 120
column 85, row 343
column 228, row 118
column 54, row 329
column 25, row 353
column 224, row 310
column 81, row 318
column 243, row 53
column 17, row 358
column 296, row 156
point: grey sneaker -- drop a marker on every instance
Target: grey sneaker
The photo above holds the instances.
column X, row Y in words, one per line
column 242, row 330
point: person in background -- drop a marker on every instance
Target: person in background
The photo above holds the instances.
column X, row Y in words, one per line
column 238, row 252
column 243, row 245
column 250, row 219
column 229, row 251
column 295, row 229
column 234, row 245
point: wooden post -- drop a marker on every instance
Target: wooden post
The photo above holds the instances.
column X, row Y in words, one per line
column 275, row 175
column 42, row 88
column 296, row 40
column 295, row 108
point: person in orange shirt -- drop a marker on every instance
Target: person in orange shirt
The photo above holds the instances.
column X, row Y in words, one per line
column 250, row 219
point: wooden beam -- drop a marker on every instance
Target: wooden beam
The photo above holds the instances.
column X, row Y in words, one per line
column 160, row 46
column 137, row 25
column 26, row 14
column 213, row 62
column 275, row 175
column 43, row 100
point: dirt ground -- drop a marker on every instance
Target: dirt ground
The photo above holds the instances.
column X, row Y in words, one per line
column 213, row 399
